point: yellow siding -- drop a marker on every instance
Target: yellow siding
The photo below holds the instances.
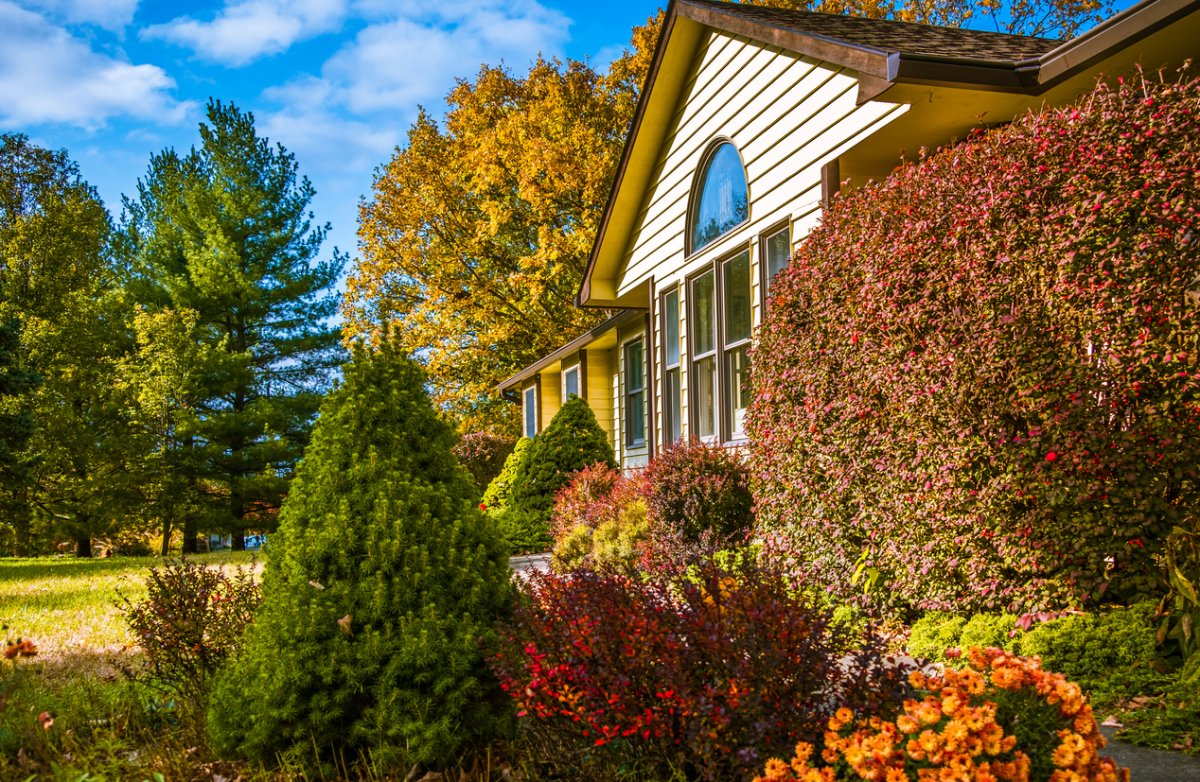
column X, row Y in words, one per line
column 599, row 390
column 551, row 400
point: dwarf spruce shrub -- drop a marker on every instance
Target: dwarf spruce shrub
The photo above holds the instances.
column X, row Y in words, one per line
column 983, row 373
column 378, row 595
column 495, row 497
column 572, row 441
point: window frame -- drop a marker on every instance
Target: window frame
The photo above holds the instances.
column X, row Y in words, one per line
column 697, row 190
column 765, row 275
column 531, row 421
column 694, row 358
column 726, row 348
column 578, row 370
column 627, row 393
column 672, row 404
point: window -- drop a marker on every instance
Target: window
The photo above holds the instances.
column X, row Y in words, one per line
column 635, row 393
column 671, row 388
column 531, row 411
column 570, row 382
column 735, row 278
column 721, row 201
column 703, row 375
column 777, row 251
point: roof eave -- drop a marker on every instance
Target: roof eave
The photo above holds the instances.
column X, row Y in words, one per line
column 579, row 343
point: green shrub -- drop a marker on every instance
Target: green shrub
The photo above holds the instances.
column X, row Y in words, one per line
column 1099, row 651
column 933, row 634
column 983, row 369
column 988, row 630
column 572, row 441
column 495, row 497
column 523, row 531
column 380, row 588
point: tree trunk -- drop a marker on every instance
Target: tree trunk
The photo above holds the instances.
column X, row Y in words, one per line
column 83, row 546
column 166, row 533
column 189, row 534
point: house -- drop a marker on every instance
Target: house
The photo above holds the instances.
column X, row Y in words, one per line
column 750, row 120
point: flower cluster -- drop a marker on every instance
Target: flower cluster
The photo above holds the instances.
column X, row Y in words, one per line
column 959, row 731
column 19, row 648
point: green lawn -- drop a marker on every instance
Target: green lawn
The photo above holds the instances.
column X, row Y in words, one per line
column 104, row 726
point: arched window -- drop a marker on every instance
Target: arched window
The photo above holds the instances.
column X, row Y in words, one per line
column 720, row 201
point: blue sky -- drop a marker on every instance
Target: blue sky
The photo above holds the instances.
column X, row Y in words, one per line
column 337, row 82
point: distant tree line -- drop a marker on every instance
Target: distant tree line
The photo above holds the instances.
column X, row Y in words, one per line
column 161, row 371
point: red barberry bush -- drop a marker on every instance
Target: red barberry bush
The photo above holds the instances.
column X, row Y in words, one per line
column 699, row 493
column 978, row 378
column 483, row 454
column 707, row 676
column 190, row 622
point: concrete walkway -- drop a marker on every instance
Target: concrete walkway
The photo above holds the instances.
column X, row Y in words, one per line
column 526, row 563
column 1152, row 765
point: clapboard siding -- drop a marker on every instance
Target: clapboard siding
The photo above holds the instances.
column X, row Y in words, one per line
column 787, row 115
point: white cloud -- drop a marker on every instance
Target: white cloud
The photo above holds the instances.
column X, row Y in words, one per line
column 49, row 76
column 109, row 14
column 246, row 30
column 398, row 63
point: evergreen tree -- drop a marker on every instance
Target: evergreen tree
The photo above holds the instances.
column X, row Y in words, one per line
column 572, row 441
column 382, row 580
column 495, row 496
column 225, row 231
column 61, row 292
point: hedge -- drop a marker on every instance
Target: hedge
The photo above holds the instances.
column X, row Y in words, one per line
column 979, row 377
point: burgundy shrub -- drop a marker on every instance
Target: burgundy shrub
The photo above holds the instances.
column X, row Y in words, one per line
column 710, row 674
column 483, row 454
column 595, row 495
column 697, row 491
column 979, row 377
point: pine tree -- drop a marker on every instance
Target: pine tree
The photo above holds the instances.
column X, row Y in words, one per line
column 225, row 231
column 380, row 584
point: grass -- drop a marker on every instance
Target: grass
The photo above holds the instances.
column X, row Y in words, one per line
column 69, row 713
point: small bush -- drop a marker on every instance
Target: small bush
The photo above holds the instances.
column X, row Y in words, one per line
column 705, row 676
column 699, row 492
column 935, row 633
column 495, row 497
column 484, row 455
column 1101, row 651
column 191, row 621
column 989, row 630
column 571, row 442
column 594, row 495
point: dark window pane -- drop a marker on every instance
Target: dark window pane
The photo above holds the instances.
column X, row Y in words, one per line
column 705, row 396
column 737, row 299
column 671, row 407
column 703, row 314
column 670, row 328
column 739, row 388
column 530, row 412
column 722, row 201
column 779, row 252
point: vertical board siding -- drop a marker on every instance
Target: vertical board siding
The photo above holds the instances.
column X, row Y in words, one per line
column 551, row 396
column 600, row 392
column 786, row 114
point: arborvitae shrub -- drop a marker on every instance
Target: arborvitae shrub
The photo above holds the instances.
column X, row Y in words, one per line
column 572, row 441
column 983, row 372
column 380, row 588
column 698, row 490
column 495, row 497
column 484, row 455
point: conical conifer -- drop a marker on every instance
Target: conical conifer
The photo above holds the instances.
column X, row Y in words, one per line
column 572, row 441
column 380, row 584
